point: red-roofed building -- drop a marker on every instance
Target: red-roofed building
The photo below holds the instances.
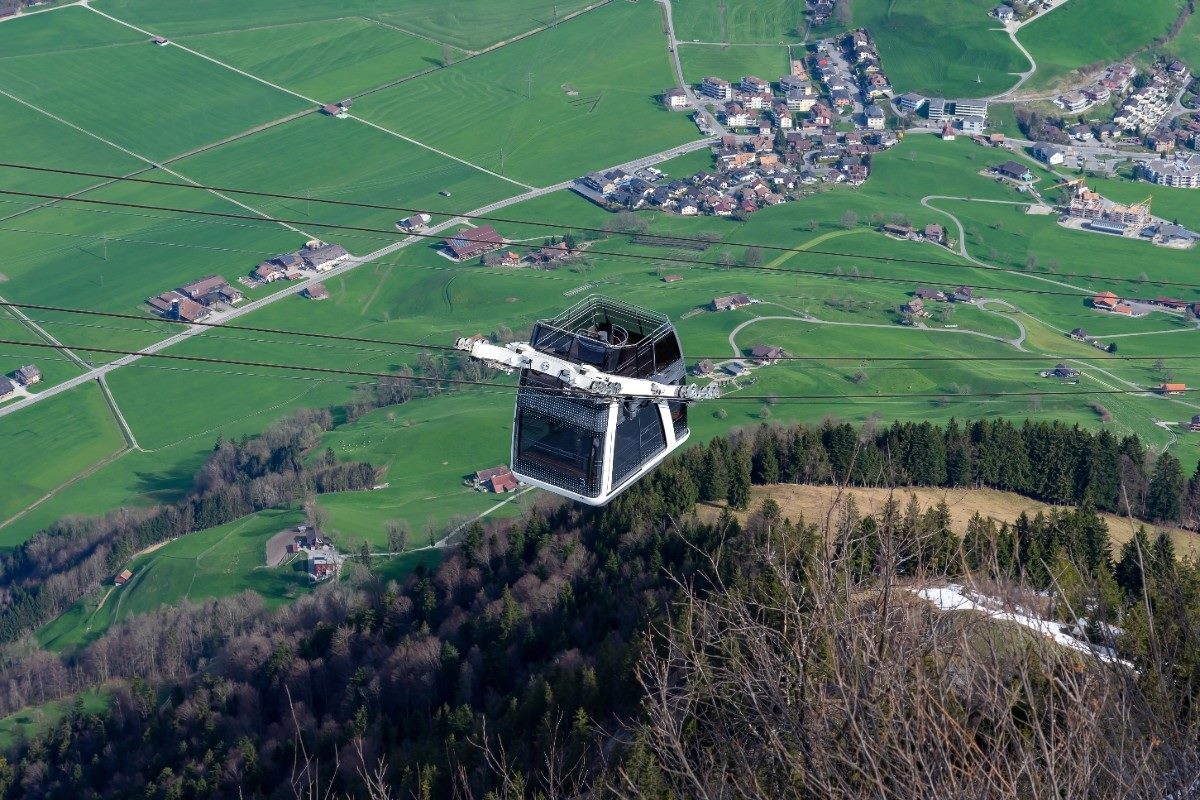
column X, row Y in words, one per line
column 1171, row 388
column 474, row 242
column 1106, row 300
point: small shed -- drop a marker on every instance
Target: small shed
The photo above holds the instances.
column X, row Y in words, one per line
column 123, row 577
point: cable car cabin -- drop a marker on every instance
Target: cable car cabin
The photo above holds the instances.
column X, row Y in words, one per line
column 602, row 398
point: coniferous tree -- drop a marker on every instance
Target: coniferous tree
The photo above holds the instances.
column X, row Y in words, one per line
column 1163, row 503
column 714, row 482
column 958, row 455
column 739, row 478
column 1133, row 564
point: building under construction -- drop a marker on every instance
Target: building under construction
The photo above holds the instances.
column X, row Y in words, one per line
column 1086, row 204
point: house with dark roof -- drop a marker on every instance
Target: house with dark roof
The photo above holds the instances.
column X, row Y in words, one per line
column 1062, row 372
column 934, row 233
column 474, row 242
column 930, row 294
column 1079, row 335
column 316, row 291
column 1013, row 171
column 28, row 375
column 704, row 368
column 766, row 354
column 963, row 294
column 1194, row 425
column 321, row 256
column 7, row 388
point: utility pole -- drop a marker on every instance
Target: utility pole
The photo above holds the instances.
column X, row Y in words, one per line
column 104, row 242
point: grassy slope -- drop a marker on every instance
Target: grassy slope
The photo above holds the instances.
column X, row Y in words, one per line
column 701, row 60
column 217, row 562
column 156, row 101
column 1187, row 44
column 30, row 722
column 739, row 21
column 615, row 57
column 468, row 24
column 1071, row 36
column 814, row 503
column 50, row 443
column 939, row 47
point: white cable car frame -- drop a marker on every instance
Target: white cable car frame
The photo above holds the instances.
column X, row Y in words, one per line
column 602, row 398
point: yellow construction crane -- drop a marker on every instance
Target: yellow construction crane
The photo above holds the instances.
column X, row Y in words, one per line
column 1069, row 182
column 1144, row 204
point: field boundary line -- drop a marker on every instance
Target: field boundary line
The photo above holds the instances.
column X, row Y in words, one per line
column 149, row 161
column 126, row 431
column 86, row 473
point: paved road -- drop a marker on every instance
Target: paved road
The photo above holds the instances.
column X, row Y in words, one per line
column 357, row 261
column 696, row 102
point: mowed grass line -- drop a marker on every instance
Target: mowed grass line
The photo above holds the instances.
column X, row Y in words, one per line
column 465, row 24
column 156, row 101
column 353, row 54
column 940, row 47
column 1085, row 32
column 615, row 58
column 50, row 442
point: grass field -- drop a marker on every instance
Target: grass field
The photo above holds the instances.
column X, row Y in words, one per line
column 217, row 562
column 739, row 21
column 615, row 59
column 348, row 162
column 940, row 47
column 50, row 443
column 1068, row 37
column 30, row 722
column 468, row 24
column 156, row 101
column 355, row 54
column 1187, row 44
column 701, row 60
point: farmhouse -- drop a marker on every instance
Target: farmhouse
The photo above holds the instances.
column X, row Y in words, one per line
column 322, row 257
column 6, row 388
column 1004, row 13
column 934, row 233
column 496, row 480
column 316, row 291
column 899, row 231
column 1013, row 171
column 930, row 294
column 319, row 568
column 963, row 294
column 1194, row 425
column 211, row 289
column 28, row 375
column 1079, row 334
column 915, row 306
column 268, row 272
column 1171, row 388
column 704, row 368
column 474, row 242
column 1105, row 301
column 417, row 222
column 123, row 577
column 730, row 302
column 1062, row 372
column 764, row 354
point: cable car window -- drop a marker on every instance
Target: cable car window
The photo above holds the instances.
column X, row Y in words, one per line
column 666, row 351
column 640, row 437
column 558, row 452
column 678, row 418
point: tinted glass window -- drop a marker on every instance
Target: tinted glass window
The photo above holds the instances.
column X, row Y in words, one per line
column 559, row 453
column 640, row 437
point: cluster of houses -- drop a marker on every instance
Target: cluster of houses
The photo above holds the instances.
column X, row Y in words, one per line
column 497, row 480
column 195, row 301
column 317, row 256
column 1143, row 110
column 1117, row 78
column 921, row 297
column 1020, row 11
column 749, row 173
column 323, row 557
column 863, row 57
column 760, row 355
column 25, row 377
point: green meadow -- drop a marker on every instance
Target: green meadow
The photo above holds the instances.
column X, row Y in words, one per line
column 50, row 443
column 1069, row 37
column 35, row 720
column 581, row 96
column 217, row 562
column 701, row 60
column 947, row 48
column 739, row 21
column 156, row 101
column 356, row 54
column 466, row 24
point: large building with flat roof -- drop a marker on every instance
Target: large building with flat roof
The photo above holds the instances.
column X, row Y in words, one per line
column 1182, row 172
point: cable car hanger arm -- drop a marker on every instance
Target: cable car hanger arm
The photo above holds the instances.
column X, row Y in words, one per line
column 580, row 377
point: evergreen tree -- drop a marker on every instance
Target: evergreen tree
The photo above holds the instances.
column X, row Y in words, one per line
column 1129, row 569
column 1164, row 502
column 958, row 455
column 739, row 478
column 714, row 482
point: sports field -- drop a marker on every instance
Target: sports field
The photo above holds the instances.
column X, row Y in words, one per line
column 942, row 48
column 578, row 97
column 740, row 21
column 1069, row 37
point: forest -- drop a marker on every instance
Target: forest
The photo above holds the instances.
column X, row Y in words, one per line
column 642, row 651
